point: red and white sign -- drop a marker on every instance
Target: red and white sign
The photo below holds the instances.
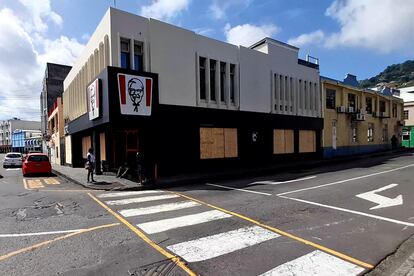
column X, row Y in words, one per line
column 135, row 94
column 93, row 100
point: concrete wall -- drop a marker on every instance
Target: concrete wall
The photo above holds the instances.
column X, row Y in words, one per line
column 410, row 108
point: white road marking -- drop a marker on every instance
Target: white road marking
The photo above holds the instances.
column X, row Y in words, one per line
column 316, row 263
column 236, row 189
column 178, row 222
column 131, row 193
column 216, row 245
column 139, row 199
column 282, row 182
column 382, row 201
column 345, row 180
column 351, row 211
column 13, row 169
column 41, row 233
column 158, row 209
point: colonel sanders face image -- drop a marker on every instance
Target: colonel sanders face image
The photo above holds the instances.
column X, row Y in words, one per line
column 136, row 92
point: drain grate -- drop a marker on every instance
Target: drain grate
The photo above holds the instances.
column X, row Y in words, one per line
column 164, row 268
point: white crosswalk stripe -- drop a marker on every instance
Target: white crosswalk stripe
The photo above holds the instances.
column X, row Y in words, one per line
column 131, row 193
column 216, row 245
column 178, row 222
column 139, row 199
column 158, row 208
column 316, row 263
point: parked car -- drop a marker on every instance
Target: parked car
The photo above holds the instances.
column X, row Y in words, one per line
column 13, row 159
column 36, row 163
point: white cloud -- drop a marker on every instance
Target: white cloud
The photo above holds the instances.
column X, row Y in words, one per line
column 248, row 34
column 39, row 11
column 315, row 37
column 164, row 9
column 218, row 8
column 384, row 26
column 25, row 50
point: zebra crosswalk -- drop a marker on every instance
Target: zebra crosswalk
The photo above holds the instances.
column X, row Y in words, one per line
column 199, row 234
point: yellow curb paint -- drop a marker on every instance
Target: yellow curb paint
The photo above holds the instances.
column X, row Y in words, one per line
column 35, row 246
column 25, row 185
column 140, row 234
column 283, row 233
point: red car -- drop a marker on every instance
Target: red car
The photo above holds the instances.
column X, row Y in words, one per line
column 36, row 163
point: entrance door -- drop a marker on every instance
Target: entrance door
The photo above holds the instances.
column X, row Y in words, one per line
column 334, row 135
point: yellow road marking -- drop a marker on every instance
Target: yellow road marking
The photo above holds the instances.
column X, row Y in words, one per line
column 62, row 190
column 25, row 184
column 140, row 234
column 283, row 233
column 34, row 184
column 51, row 181
column 35, row 246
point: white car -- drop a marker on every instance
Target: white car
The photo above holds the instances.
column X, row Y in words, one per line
column 13, row 159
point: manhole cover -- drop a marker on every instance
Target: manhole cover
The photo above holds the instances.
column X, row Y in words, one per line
column 165, row 267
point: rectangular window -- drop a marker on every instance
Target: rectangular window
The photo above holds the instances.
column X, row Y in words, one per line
column 202, row 72
column 352, row 101
column 212, row 80
column 330, row 98
column 305, row 94
column 222, row 81
column 370, row 132
column 283, row 141
column 368, row 103
column 86, row 145
column 307, row 141
column 138, row 56
column 232, row 83
column 125, row 52
column 218, row 143
column 382, row 106
column 406, row 114
column 394, row 110
column 301, row 96
column 385, row 133
column 406, row 135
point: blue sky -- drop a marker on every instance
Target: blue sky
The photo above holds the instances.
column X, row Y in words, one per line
column 348, row 36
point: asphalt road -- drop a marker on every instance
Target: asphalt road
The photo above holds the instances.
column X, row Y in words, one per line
column 341, row 219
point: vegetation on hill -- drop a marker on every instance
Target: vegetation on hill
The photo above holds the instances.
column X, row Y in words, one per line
column 400, row 74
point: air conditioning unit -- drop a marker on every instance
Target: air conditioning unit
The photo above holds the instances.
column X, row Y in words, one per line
column 360, row 117
column 341, row 109
column 350, row 110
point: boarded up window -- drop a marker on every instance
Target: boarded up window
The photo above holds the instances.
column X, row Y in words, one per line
column 218, row 143
column 68, row 149
column 86, row 145
column 102, row 144
column 283, row 141
column 307, row 141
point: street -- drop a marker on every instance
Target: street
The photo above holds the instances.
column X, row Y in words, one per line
column 342, row 219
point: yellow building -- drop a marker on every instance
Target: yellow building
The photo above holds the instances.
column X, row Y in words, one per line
column 56, row 131
column 358, row 120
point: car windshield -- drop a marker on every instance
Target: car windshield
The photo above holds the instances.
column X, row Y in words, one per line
column 13, row 155
column 38, row 158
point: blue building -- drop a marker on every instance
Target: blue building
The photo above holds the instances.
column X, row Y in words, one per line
column 26, row 140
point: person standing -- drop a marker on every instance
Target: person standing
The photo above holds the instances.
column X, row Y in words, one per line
column 90, row 165
column 394, row 142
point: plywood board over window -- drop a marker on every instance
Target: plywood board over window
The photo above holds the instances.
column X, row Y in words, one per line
column 283, row 141
column 218, row 143
column 102, row 145
column 86, row 145
column 307, row 141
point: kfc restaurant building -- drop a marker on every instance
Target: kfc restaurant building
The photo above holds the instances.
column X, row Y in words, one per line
column 188, row 103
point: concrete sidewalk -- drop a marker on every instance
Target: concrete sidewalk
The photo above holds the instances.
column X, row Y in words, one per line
column 104, row 182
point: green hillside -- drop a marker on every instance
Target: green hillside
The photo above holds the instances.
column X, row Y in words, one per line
column 402, row 74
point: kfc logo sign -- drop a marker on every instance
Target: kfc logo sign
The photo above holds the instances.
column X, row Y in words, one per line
column 135, row 94
column 93, row 100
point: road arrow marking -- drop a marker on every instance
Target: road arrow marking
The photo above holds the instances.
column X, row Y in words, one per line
column 382, row 201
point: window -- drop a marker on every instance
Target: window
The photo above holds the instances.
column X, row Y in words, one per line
column 138, row 56
column 352, row 101
column 368, row 107
column 394, row 110
column 330, row 98
column 212, row 79
column 232, row 83
column 202, row 69
column 406, row 114
column 283, row 141
column 370, row 132
column 354, row 132
column 385, row 133
column 222, row 80
column 38, row 158
column 57, row 152
column 125, row 59
column 381, row 106
column 307, row 141
column 218, row 143
column 406, row 135
column 305, row 94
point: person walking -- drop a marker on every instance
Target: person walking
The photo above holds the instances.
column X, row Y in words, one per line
column 394, row 142
column 90, row 165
